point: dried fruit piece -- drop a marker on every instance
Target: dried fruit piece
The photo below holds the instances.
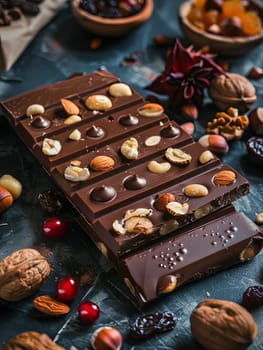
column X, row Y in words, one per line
column 50, row 306
column 98, row 103
column 51, row 147
column 76, row 173
column 253, row 296
column 255, row 149
column 220, row 324
column 177, row 156
column 120, row 89
column 70, row 107
column 130, row 148
column 151, row 324
column 102, row 163
column 177, row 209
column 158, row 167
column 224, row 178
column 88, row 312
column 195, row 190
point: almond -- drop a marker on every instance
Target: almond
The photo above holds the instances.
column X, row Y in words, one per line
column 50, row 306
column 102, row 163
column 69, row 107
column 224, row 177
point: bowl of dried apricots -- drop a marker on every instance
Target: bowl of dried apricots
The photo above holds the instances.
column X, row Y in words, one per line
column 227, row 27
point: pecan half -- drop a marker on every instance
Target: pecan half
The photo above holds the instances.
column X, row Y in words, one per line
column 50, row 306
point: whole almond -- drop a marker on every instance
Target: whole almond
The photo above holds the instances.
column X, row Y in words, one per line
column 219, row 324
column 50, row 306
column 69, row 107
column 195, row 190
column 224, row 178
column 102, row 163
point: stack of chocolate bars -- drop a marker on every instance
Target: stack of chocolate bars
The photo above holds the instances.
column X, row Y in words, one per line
column 154, row 201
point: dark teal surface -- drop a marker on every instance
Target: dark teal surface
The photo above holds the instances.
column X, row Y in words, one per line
column 60, row 49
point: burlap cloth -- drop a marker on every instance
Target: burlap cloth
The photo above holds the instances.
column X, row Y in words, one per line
column 15, row 37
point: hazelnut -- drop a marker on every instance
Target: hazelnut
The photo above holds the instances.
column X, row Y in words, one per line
column 219, row 324
column 231, row 26
column 6, row 199
column 162, row 200
column 106, row 338
column 256, row 120
column 214, row 143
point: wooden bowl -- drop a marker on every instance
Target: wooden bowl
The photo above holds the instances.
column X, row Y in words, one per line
column 219, row 44
column 111, row 27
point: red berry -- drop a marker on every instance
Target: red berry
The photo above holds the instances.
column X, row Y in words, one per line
column 66, row 288
column 88, row 311
column 54, row 227
column 253, row 296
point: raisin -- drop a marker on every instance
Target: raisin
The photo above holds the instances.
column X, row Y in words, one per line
column 52, row 201
column 151, row 324
column 255, row 149
column 253, row 296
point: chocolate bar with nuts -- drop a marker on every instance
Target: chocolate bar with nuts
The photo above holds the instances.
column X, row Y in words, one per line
column 136, row 179
column 208, row 246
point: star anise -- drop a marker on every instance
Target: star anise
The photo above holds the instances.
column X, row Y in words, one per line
column 185, row 77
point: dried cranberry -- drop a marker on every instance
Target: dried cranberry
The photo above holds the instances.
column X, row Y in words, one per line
column 54, row 227
column 151, row 324
column 253, row 296
column 88, row 311
column 66, row 288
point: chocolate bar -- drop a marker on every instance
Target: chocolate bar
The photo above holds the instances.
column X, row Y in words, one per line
column 227, row 239
column 135, row 177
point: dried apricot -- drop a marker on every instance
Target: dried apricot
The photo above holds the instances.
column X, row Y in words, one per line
column 251, row 23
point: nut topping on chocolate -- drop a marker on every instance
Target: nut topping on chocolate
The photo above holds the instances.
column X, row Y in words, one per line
column 152, row 141
column 76, row 173
column 102, row 163
column 177, row 209
column 70, row 107
column 35, row 109
column 119, row 90
column 158, row 167
column 75, row 135
column 51, row 147
column 130, row 148
column 22, row 273
column 177, row 156
column 74, row 118
column 151, row 110
column 224, row 178
column 195, row 190
column 98, row 103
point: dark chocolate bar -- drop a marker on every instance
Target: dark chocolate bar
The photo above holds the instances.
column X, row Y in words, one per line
column 228, row 238
column 136, row 180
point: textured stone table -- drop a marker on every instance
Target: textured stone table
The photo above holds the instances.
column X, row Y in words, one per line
column 60, row 49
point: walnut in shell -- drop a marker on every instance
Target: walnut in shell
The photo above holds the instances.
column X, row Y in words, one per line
column 31, row 341
column 219, row 324
column 22, row 273
column 232, row 90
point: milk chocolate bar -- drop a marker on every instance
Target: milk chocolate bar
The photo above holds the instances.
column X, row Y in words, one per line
column 134, row 177
column 227, row 239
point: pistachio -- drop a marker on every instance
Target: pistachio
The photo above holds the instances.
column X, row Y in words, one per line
column 177, row 156
column 120, row 89
column 76, row 174
column 51, row 147
column 177, row 209
column 34, row 109
column 130, row 148
column 159, row 167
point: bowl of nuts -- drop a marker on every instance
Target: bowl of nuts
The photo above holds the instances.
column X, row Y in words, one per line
column 227, row 27
column 111, row 18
